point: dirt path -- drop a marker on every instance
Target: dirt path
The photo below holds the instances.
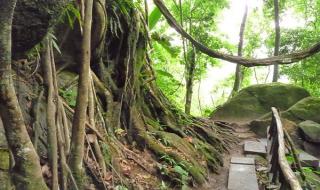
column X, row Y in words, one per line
column 220, row 181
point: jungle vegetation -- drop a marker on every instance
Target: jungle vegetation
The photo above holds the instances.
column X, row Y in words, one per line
column 100, row 94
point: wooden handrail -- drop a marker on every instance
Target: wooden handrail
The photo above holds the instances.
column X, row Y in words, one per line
column 280, row 168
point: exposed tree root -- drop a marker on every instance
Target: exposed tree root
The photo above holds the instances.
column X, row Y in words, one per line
column 127, row 115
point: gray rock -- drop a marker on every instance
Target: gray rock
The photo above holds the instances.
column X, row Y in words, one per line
column 312, row 148
column 308, row 160
column 310, row 131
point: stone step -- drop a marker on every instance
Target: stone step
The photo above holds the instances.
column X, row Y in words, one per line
column 242, row 176
column 254, row 147
column 242, row 160
column 264, row 141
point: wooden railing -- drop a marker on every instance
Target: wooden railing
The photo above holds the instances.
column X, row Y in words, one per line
column 280, row 172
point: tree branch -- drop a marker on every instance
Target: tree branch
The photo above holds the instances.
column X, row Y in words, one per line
column 247, row 62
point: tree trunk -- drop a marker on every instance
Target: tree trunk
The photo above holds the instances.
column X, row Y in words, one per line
column 190, row 71
column 190, row 64
column 247, row 62
column 80, row 115
column 51, row 113
column 126, row 100
column 27, row 168
column 239, row 72
column 277, row 39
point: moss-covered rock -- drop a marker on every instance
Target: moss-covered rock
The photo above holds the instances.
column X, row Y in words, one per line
column 255, row 101
column 305, row 109
column 310, row 131
column 31, row 21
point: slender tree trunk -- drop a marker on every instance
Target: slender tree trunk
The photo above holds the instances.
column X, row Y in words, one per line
column 190, row 62
column 80, row 115
column 51, row 114
column 27, row 168
column 189, row 85
column 190, row 71
column 239, row 74
column 277, row 39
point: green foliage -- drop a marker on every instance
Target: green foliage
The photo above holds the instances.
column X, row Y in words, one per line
column 70, row 96
column 105, row 152
column 178, row 168
column 154, row 17
column 290, row 159
column 166, row 158
column 165, row 43
column 53, row 40
column 305, row 73
column 70, row 14
column 125, row 6
column 183, row 176
column 199, row 18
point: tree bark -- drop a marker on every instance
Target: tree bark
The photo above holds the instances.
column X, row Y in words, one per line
column 27, row 168
column 51, row 113
column 277, row 39
column 238, row 74
column 190, row 71
column 80, row 115
column 248, row 62
column 190, row 64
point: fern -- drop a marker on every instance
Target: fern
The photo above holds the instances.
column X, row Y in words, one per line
column 70, row 14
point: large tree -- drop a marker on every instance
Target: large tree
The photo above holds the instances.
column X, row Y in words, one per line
column 126, row 112
column 239, row 73
column 26, row 170
column 127, row 118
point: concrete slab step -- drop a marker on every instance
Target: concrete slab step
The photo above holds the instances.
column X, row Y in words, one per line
column 263, row 141
column 242, row 177
column 242, row 160
column 254, row 147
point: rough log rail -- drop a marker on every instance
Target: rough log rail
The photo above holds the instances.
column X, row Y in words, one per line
column 280, row 170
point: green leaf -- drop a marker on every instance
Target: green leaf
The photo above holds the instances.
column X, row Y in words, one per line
column 70, row 21
column 168, row 47
column 154, row 18
column 164, row 73
column 165, row 42
column 180, row 170
column 55, row 45
column 307, row 169
column 290, row 159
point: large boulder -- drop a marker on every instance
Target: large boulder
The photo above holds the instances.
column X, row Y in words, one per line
column 31, row 21
column 310, row 131
column 306, row 109
column 255, row 101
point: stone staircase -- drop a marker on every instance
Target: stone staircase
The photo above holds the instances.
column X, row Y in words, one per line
column 242, row 171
